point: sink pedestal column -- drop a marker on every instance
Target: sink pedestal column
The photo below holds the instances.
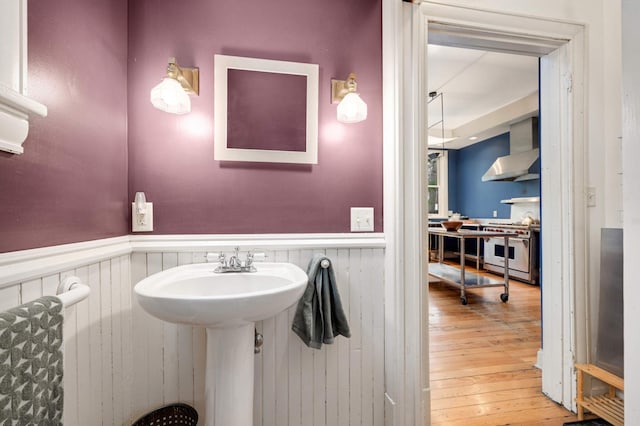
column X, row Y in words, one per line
column 229, row 376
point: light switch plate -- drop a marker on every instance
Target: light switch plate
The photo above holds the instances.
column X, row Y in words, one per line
column 142, row 222
column 361, row 219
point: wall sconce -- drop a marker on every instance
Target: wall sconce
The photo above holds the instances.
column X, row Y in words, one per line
column 172, row 94
column 351, row 108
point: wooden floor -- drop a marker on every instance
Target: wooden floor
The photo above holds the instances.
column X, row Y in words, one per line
column 482, row 358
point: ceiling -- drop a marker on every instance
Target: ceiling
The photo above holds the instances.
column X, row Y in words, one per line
column 482, row 93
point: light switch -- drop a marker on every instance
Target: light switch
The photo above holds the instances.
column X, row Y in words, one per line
column 361, row 219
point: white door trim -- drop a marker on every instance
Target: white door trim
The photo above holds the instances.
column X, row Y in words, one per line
column 402, row 338
column 404, row 41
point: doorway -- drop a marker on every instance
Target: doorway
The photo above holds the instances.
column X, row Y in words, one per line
column 482, row 355
column 560, row 67
column 560, row 45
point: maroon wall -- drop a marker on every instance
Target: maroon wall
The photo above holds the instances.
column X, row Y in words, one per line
column 171, row 157
column 70, row 184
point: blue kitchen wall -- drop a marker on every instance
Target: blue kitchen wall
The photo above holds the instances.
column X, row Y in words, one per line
column 470, row 196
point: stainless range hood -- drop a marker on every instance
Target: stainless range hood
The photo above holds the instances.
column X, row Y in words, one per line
column 523, row 148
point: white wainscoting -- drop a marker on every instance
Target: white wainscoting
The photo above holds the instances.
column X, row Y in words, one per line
column 341, row 384
column 120, row 363
column 97, row 340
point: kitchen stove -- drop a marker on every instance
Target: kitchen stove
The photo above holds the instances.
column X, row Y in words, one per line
column 522, row 252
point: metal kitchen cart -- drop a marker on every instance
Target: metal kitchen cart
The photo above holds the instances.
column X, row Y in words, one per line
column 457, row 276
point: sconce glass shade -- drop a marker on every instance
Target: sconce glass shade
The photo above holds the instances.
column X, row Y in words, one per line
column 169, row 96
column 352, row 109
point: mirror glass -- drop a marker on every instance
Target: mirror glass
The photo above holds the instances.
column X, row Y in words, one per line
column 265, row 110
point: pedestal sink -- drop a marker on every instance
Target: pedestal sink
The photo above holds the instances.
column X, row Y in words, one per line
column 228, row 305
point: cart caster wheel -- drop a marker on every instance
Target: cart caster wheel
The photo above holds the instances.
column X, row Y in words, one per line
column 463, row 300
column 504, row 297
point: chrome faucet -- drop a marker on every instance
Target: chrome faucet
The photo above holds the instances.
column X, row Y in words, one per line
column 234, row 260
column 235, row 264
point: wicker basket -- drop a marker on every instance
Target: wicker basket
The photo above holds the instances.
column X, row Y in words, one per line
column 173, row 414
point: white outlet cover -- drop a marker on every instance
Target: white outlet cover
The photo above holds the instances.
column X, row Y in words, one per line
column 142, row 223
column 361, row 219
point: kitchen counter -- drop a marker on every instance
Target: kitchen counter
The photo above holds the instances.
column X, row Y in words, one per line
column 435, row 243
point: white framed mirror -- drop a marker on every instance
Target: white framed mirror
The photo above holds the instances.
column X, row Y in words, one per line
column 265, row 110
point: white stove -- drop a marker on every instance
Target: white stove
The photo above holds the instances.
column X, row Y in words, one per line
column 522, row 252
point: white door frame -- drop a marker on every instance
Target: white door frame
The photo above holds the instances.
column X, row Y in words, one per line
column 406, row 381
column 563, row 211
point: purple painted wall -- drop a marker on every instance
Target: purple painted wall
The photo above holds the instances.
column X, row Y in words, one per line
column 70, row 185
column 82, row 165
column 171, row 157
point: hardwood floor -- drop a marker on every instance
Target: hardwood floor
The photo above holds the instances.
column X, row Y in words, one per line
column 482, row 358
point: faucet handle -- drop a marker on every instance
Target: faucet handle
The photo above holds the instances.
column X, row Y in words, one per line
column 249, row 260
column 257, row 256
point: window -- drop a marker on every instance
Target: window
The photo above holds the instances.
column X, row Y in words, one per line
column 437, row 183
column 16, row 108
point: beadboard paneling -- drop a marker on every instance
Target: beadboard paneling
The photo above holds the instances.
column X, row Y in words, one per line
column 97, row 340
column 341, row 384
column 121, row 363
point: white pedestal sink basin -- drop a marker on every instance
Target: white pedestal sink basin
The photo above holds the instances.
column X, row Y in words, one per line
column 228, row 305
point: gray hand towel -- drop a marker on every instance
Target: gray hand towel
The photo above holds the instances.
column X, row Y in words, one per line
column 31, row 363
column 319, row 317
